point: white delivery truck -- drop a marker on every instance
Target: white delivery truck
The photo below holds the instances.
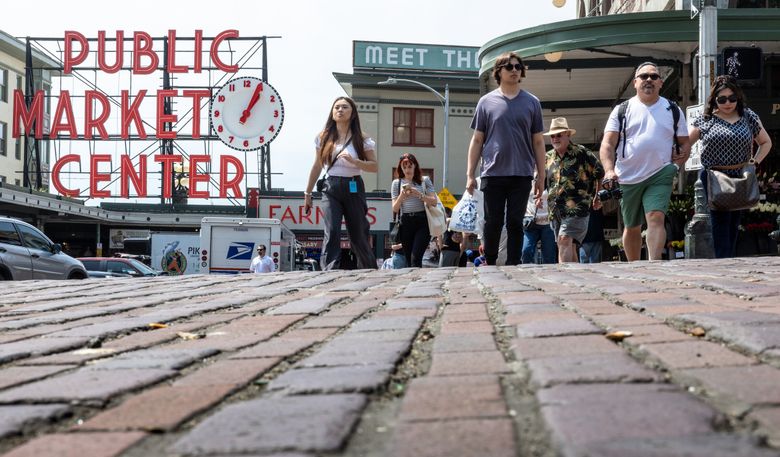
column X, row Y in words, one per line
column 177, row 253
column 227, row 244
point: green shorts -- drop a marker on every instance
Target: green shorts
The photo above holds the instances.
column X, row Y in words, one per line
column 652, row 194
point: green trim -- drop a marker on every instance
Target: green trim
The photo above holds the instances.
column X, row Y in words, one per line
column 734, row 24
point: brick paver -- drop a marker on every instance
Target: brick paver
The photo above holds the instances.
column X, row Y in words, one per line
column 425, row 362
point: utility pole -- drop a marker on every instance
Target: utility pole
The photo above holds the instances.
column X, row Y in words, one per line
column 698, row 233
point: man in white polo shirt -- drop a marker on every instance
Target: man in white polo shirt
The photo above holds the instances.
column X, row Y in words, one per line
column 645, row 161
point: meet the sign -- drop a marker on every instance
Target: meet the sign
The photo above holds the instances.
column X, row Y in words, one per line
column 369, row 54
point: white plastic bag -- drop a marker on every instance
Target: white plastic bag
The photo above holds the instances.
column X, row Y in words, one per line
column 467, row 216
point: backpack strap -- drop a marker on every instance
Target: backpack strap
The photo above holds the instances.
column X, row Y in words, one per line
column 676, row 118
column 622, row 109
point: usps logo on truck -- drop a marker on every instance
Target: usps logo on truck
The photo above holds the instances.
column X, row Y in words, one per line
column 240, row 251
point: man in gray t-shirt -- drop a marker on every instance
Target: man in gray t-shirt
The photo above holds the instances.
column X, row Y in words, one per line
column 508, row 139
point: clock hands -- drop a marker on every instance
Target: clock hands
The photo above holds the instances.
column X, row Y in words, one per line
column 252, row 101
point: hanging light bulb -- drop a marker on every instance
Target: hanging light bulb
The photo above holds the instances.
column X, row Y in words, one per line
column 553, row 57
column 558, row 3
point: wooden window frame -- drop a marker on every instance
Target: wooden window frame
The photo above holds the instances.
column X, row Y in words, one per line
column 413, row 127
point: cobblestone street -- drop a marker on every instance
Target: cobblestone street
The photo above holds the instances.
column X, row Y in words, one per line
column 509, row 361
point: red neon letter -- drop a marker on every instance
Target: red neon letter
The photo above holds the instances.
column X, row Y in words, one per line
column 132, row 114
column 95, row 177
column 196, row 95
column 28, row 117
column 172, row 67
column 89, row 121
column 71, row 61
column 126, row 171
column 55, row 175
column 167, row 161
column 196, row 177
column 197, row 67
column 233, row 184
column 215, row 54
column 64, row 106
column 101, row 57
column 162, row 118
column 142, row 46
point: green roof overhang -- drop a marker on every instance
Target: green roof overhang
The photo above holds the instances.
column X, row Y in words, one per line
column 734, row 24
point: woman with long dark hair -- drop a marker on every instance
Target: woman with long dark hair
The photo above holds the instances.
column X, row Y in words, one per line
column 727, row 130
column 345, row 152
column 410, row 193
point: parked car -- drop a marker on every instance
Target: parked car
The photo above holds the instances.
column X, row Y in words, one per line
column 118, row 266
column 26, row 253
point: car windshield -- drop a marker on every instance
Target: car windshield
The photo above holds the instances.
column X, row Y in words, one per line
column 145, row 270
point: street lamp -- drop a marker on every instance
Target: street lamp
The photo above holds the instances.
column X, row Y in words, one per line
column 445, row 101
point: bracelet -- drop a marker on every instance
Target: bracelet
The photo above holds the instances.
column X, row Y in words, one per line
column 307, row 194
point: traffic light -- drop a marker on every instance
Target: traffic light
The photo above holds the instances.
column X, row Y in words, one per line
column 744, row 64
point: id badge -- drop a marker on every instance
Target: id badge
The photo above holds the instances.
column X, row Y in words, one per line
column 352, row 186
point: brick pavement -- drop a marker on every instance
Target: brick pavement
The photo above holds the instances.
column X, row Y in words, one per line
column 436, row 362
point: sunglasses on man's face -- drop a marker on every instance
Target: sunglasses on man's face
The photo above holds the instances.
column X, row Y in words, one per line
column 557, row 135
column 722, row 99
column 646, row 76
column 513, row 66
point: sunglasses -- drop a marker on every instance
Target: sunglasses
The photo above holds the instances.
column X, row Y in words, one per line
column 513, row 66
column 722, row 99
column 646, row 76
column 557, row 135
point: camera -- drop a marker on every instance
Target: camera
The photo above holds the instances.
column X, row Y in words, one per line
column 611, row 190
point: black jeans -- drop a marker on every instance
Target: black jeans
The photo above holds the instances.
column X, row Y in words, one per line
column 725, row 227
column 337, row 203
column 415, row 237
column 506, row 198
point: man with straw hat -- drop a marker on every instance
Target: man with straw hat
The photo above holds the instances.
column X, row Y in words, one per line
column 573, row 174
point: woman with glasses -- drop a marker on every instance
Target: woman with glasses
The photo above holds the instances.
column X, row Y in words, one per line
column 345, row 152
column 410, row 193
column 727, row 130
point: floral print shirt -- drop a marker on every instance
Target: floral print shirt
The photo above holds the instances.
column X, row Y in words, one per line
column 572, row 181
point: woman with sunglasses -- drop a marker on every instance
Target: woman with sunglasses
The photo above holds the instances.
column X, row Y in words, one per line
column 410, row 193
column 727, row 130
column 344, row 150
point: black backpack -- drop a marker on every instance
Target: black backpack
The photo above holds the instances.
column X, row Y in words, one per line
column 623, row 108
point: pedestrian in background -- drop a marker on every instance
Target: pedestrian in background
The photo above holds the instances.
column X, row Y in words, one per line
column 451, row 245
column 410, row 193
column 727, row 130
column 262, row 263
column 574, row 174
column 645, row 162
column 345, row 152
column 508, row 139
column 592, row 245
column 538, row 230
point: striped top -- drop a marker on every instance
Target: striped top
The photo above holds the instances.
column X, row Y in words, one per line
column 412, row 204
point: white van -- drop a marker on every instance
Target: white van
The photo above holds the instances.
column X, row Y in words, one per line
column 227, row 244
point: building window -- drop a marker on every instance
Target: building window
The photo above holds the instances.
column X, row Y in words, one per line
column 3, row 85
column 3, row 139
column 18, row 149
column 412, row 127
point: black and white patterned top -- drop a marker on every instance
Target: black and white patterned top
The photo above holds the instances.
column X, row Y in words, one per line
column 723, row 143
column 414, row 204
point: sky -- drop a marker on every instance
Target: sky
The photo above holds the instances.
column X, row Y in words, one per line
column 316, row 40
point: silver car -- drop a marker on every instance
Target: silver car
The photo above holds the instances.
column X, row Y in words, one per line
column 26, row 253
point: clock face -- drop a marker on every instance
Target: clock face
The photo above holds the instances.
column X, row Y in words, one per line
column 246, row 113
